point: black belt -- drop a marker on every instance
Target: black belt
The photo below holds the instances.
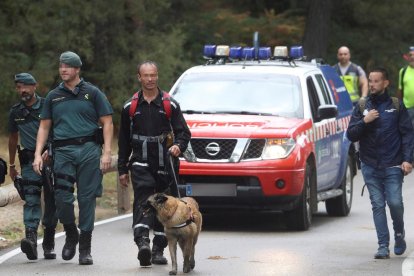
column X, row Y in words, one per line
column 73, row 141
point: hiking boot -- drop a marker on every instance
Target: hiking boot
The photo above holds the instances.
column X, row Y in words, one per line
column 49, row 243
column 157, row 256
column 144, row 251
column 28, row 245
column 85, row 257
column 72, row 239
column 400, row 245
column 382, row 253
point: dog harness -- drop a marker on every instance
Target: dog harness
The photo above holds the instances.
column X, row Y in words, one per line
column 188, row 221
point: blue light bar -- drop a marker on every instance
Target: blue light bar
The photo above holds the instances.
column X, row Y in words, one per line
column 209, row 51
column 235, row 52
column 296, row 52
column 265, row 52
column 248, row 53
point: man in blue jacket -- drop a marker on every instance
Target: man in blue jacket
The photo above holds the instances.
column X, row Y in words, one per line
column 386, row 139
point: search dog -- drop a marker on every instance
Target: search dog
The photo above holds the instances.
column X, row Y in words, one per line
column 182, row 222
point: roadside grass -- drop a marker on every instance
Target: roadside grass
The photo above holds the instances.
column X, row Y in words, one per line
column 11, row 216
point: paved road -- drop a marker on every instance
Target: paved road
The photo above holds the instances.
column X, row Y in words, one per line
column 240, row 244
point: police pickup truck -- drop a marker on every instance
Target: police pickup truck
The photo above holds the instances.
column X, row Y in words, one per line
column 268, row 134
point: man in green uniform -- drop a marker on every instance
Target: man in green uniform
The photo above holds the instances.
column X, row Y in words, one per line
column 24, row 120
column 73, row 111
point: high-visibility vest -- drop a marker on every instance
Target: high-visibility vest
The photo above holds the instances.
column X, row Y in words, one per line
column 351, row 81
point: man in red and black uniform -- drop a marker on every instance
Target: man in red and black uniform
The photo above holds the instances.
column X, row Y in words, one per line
column 151, row 132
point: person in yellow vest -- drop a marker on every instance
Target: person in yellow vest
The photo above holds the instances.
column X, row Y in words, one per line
column 406, row 84
column 353, row 75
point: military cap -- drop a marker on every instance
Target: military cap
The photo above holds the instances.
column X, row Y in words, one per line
column 24, row 78
column 71, row 59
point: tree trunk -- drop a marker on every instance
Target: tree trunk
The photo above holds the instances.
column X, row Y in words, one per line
column 315, row 41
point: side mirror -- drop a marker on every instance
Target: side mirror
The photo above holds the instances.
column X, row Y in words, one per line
column 327, row 111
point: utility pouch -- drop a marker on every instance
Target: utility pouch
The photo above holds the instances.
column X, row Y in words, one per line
column 48, row 178
column 169, row 139
column 3, row 170
column 25, row 156
column 99, row 138
column 18, row 184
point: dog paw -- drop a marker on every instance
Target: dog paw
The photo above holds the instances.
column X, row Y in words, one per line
column 173, row 272
column 186, row 269
column 192, row 265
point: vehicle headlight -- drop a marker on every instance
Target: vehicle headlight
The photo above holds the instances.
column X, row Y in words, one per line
column 278, row 148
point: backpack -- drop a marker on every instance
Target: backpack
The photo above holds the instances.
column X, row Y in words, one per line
column 166, row 102
column 362, row 101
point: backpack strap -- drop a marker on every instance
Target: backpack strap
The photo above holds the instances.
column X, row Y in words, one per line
column 166, row 102
column 133, row 106
column 396, row 103
column 361, row 103
column 402, row 80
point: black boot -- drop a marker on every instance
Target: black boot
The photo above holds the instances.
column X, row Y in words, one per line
column 157, row 256
column 144, row 251
column 49, row 243
column 72, row 239
column 85, row 257
column 28, row 245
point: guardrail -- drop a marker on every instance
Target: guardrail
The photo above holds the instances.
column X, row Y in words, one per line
column 9, row 195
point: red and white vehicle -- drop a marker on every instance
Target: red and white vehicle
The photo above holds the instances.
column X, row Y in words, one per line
column 268, row 133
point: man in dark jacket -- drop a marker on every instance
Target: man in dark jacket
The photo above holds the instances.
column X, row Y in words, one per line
column 153, row 129
column 386, row 139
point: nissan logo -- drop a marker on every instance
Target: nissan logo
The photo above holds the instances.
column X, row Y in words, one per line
column 212, row 149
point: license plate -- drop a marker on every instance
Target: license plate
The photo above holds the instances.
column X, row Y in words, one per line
column 211, row 189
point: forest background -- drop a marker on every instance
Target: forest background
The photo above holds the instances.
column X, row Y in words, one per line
column 112, row 37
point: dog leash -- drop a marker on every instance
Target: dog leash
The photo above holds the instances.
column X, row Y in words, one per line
column 173, row 173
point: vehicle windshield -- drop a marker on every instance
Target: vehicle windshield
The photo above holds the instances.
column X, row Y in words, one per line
column 240, row 93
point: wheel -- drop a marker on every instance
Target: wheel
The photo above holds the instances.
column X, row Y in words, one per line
column 300, row 219
column 341, row 206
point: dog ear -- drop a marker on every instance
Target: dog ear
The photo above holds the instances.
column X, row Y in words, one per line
column 161, row 198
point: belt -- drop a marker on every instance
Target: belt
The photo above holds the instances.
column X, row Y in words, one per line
column 73, row 141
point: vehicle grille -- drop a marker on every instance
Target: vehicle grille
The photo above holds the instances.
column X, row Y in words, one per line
column 226, row 148
column 255, row 149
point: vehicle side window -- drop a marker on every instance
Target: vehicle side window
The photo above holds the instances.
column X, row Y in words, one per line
column 324, row 89
column 313, row 98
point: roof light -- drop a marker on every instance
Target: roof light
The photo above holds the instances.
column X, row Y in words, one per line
column 222, row 51
column 248, row 53
column 296, row 52
column 265, row 52
column 235, row 52
column 209, row 51
column 280, row 51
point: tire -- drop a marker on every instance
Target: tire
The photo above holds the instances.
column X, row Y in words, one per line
column 300, row 219
column 341, row 206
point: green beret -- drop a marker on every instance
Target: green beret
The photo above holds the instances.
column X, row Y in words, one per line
column 71, row 59
column 24, row 78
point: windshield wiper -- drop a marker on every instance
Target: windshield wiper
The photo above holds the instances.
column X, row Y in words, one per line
column 189, row 111
column 244, row 112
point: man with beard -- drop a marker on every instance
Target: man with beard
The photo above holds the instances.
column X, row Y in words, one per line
column 74, row 112
column 24, row 120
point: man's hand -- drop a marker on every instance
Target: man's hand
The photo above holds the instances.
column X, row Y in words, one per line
column 371, row 116
column 124, row 180
column 13, row 173
column 38, row 164
column 106, row 162
column 175, row 150
column 406, row 167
